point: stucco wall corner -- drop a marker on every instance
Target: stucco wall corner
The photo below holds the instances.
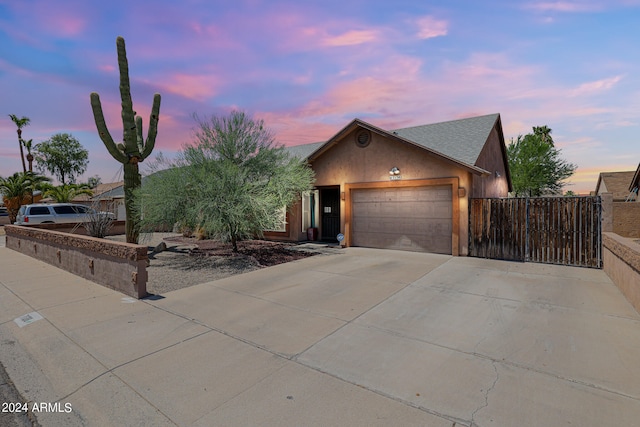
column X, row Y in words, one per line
column 621, row 259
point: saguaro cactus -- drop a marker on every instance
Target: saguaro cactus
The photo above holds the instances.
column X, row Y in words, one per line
column 134, row 148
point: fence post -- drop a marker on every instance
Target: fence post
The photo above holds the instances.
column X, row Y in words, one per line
column 601, row 224
column 606, row 199
column 526, row 230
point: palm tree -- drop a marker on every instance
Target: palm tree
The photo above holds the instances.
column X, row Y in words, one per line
column 67, row 192
column 543, row 132
column 20, row 122
column 28, row 144
column 16, row 188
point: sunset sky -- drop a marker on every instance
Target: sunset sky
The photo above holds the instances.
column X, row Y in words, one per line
column 309, row 67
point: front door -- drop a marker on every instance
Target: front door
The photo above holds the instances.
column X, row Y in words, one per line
column 330, row 212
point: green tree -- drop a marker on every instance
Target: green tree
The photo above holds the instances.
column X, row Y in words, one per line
column 66, row 192
column 63, row 156
column 94, row 181
column 20, row 123
column 536, row 166
column 232, row 182
column 17, row 190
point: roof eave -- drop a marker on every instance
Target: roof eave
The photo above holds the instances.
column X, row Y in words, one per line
column 635, row 182
column 503, row 148
column 599, row 182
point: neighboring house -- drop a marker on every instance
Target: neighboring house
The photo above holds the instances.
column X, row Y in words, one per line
column 616, row 183
column 109, row 197
column 406, row 189
column 625, row 209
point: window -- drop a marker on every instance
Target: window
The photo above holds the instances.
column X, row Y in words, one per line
column 64, row 210
column 309, row 209
column 39, row 210
column 82, row 209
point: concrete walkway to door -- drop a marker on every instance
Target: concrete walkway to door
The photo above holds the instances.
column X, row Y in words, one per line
column 368, row 337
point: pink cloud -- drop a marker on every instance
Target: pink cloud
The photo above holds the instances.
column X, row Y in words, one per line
column 107, row 68
column 351, row 38
column 67, row 26
column 430, row 27
column 564, row 6
column 596, row 86
column 294, row 129
column 62, row 20
column 192, row 86
column 398, row 93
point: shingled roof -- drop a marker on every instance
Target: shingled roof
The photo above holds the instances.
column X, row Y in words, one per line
column 305, row 150
column 458, row 140
column 462, row 140
column 616, row 183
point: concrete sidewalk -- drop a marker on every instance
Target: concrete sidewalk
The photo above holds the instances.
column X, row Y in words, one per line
column 368, row 337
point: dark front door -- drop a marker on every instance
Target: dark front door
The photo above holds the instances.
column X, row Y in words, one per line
column 330, row 212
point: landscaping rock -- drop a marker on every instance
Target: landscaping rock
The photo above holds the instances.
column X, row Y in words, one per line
column 161, row 247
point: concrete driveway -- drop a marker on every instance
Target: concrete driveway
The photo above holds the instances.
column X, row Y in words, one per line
column 368, row 337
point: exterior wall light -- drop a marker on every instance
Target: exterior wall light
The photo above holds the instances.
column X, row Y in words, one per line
column 394, row 171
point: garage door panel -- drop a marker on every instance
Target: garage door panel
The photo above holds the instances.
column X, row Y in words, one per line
column 432, row 244
column 416, row 218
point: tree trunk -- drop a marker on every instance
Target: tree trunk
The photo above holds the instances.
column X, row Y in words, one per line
column 132, row 181
column 24, row 166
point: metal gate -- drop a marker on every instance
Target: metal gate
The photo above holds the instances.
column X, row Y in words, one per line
column 553, row 230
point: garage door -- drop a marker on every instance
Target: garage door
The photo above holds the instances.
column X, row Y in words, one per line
column 412, row 219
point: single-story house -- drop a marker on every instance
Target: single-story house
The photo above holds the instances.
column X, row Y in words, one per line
column 406, row 189
column 616, row 183
column 625, row 209
column 107, row 197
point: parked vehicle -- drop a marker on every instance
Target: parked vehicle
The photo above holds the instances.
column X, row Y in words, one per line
column 56, row 213
column 3, row 211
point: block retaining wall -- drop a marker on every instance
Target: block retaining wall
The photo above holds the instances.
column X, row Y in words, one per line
column 115, row 265
column 626, row 219
column 118, row 227
column 622, row 265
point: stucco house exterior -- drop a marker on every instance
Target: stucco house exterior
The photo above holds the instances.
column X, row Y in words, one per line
column 405, row 189
column 624, row 207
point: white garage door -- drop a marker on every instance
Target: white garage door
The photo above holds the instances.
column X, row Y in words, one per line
column 412, row 219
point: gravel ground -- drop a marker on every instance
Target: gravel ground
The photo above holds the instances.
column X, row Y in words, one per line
column 174, row 268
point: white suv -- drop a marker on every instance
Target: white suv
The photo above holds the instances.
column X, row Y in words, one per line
column 56, row 213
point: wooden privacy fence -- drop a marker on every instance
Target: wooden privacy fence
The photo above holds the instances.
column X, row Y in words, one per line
column 554, row 230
